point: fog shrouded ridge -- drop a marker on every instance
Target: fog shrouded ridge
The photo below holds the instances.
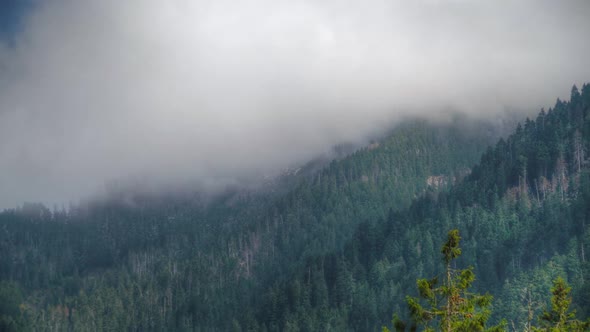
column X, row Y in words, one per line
column 207, row 92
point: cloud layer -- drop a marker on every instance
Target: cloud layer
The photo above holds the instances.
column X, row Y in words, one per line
column 205, row 92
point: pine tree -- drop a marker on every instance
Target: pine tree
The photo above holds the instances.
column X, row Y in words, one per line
column 451, row 305
column 560, row 318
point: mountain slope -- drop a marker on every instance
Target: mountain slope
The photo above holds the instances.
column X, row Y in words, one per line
column 337, row 251
column 203, row 263
column 523, row 212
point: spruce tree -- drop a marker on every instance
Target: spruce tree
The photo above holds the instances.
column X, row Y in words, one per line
column 450, row 306
column 560, row 318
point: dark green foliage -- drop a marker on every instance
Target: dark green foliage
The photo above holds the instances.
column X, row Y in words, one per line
column 560, row 318
column 450, row 306
column 10, row 307
column 450, row 249
column 336, row 249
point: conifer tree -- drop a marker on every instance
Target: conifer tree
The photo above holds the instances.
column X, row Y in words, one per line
column 560, row 318
column 451, row 305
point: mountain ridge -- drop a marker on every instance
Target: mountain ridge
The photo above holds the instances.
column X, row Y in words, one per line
column 336, row 251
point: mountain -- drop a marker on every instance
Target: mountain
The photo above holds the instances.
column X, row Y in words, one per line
column 523, row 211
column 335, row 247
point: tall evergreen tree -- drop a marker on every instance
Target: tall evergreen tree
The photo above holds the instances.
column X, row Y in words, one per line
column 451, row 305
column 560, row 318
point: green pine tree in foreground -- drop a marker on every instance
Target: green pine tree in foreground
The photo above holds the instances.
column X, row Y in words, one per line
column 559, row 318
column 449, row 306
column 452, row 307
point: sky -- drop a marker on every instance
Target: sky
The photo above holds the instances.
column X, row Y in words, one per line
column 204, row 94
column 10, row 16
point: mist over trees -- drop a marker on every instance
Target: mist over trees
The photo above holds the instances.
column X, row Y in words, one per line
column 336, row 249
column 210, row 94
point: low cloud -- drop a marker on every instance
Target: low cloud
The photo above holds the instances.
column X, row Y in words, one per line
column 207, row 92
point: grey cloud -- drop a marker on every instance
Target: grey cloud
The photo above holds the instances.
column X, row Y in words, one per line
column 210, row 91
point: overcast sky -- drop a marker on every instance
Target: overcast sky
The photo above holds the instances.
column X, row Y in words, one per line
column 186, row 91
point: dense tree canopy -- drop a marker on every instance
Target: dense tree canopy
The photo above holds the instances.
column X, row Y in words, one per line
column 331, row 249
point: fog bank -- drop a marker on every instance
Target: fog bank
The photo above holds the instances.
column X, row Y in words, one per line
column 205, row 93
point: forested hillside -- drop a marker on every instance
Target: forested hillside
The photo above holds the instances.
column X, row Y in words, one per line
column 338, row 250
column 524, row 214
